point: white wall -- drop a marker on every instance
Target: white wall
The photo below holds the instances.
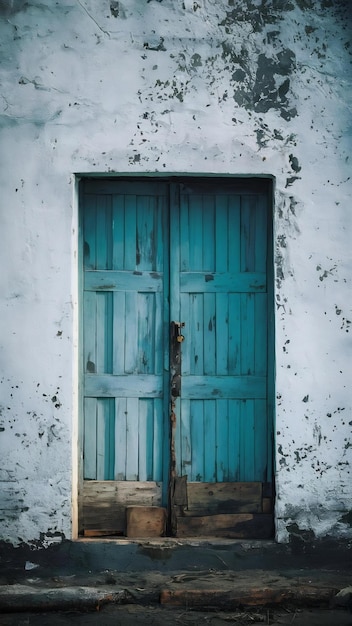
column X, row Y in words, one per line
column 167, row 86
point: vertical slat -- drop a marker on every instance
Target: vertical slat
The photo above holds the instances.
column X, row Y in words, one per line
column 222, row 234
column 260, row 248
column 260, row 437
column 234, row 440
column 158, row 330
column 131, row 333
column 101, row 438
column 118, row 232
column 260, row 334
column 248, row 233
column 132, row 410
column 187, row 345
column 145, row 234
column 120, row 438
column 209, row 325
column 222, row 334
column 208, row 243
column 247, row 333
column 182, row 228
column 118, row 344
column 196, row 333
column 195, row 233
column 209, row 441
column 130, row 233
column 197, row 440
column 222, row 460
column 157, row 461
column 146, row 332
column 89, row 232
column 104, row 332
column 89, row 332
column 145, row 439
column 247, row 440
column 234, row 230
column 185, row 427
column 89, row 443
column 104, row 233
column 234, row 334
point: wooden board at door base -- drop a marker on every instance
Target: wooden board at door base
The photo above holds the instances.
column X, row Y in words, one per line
column 232, row 510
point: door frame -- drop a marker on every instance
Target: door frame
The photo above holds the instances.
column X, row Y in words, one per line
column 267, row 182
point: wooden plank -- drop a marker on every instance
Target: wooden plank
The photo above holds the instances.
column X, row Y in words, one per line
column 114, row 280
column 221, row 234
column 248, row 205
column 212, row 498
column 234, row 230
column 234, row 366
column 195, row 334
column 209, row 328
column 197, row 440
column 108, row 385
column 261, row 227
column 89, row 232
column 209, row 439
column 120, row 438
column 118, row 323
column 208, row 262
column 89, row 442
column 221, row 441
column 234, row 440
column 101, row 533
column 103, row 504
column 125, row 187
column 130, row 232
column 132, row 417
column 104, row 233
column 232, row 526
column 267, row 505
column 222, row 334
column 118, row 232
column 145, row 521
column 247, row 438
column 158, row 439
column 210, row 387
column 104, row 340
column 247, row 282
column 195, row 241
column 89, row 332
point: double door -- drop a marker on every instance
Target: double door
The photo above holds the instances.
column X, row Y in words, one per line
column 177, row 366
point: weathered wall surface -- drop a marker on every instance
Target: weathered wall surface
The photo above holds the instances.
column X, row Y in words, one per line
column 206, row 86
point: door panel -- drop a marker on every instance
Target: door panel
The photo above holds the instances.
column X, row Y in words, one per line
column 220, row 293
column 193, row 252
column 123, row 308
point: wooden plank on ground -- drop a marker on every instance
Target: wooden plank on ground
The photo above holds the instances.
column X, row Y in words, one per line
column 212, row 498
column 241, row 526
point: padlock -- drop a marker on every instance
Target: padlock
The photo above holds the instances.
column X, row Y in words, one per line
column 180, row 338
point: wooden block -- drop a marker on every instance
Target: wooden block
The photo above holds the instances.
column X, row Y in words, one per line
column 241, row 526
column 220, row 498
column 145, row 521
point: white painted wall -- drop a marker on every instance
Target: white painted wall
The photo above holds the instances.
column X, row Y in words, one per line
column 171, row 86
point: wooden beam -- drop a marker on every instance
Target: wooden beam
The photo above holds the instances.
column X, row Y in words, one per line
column 232, row 526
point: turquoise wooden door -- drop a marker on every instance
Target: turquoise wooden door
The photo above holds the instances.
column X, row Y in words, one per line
column 218, row 270
column 155, row 252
